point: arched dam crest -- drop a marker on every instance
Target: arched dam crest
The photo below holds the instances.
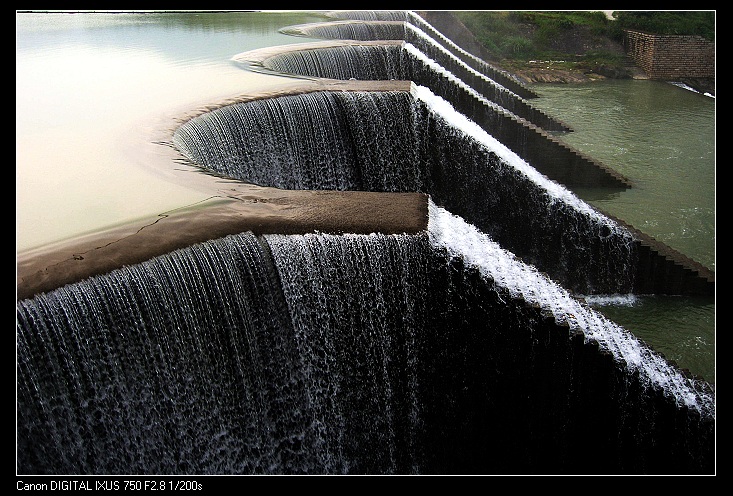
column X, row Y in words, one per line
column 394, row 325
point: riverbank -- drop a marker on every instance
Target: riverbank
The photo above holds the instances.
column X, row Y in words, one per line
column 549, row 71
column 574, row 66
column 554, row 72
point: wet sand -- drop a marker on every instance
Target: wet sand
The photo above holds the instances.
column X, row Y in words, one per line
column 232, row 207
column 265, row 211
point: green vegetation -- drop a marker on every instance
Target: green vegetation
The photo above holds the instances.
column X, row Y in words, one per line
column 525, row 35
column 576, row 39
column 701, row 23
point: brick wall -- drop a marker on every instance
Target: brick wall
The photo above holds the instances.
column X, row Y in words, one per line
column 670, row 57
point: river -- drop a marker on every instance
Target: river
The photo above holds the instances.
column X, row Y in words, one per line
column 661, row 136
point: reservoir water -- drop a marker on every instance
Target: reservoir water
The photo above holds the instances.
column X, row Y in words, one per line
column 662, row 137
column 91, row 88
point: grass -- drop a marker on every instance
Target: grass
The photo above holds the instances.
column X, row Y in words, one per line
column 515, row 38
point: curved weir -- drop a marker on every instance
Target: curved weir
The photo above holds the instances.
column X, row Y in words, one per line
column 350, row 30
column 501, row 112
column 387, row 61
column 345, row 353
column 408, row 142
column 380, row 285
column 399, row 141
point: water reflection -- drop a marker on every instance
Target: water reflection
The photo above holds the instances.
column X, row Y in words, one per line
column 90, row 88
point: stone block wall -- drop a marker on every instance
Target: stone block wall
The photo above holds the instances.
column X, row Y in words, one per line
column 671, row 57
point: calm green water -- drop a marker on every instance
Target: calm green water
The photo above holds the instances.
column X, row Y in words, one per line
column 661, row 137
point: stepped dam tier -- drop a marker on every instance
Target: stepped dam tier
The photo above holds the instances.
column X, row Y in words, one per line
column 389, row 279
column 344, row 354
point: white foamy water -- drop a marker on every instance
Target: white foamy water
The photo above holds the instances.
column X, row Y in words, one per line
column 554, row 190
column 416, row 19
column 690, row 88
column 617, row 300
column 477, row 250
column 455, row 59
column 435, row 66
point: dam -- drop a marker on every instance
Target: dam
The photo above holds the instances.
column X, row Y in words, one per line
column 410, row 306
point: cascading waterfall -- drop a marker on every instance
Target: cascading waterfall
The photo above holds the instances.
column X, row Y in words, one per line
column 453, row 80
column 431, row 43
column 442, row 352
column 343, row 354
column 478, row 250
column 388, row 62
column 457, row 78
column 370, row 15
column 400, row 142
column 351, row 30
column 364, row 62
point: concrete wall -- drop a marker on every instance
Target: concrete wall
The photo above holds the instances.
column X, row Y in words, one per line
column 448, row 25
column 238, row 356
column 671, row 57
